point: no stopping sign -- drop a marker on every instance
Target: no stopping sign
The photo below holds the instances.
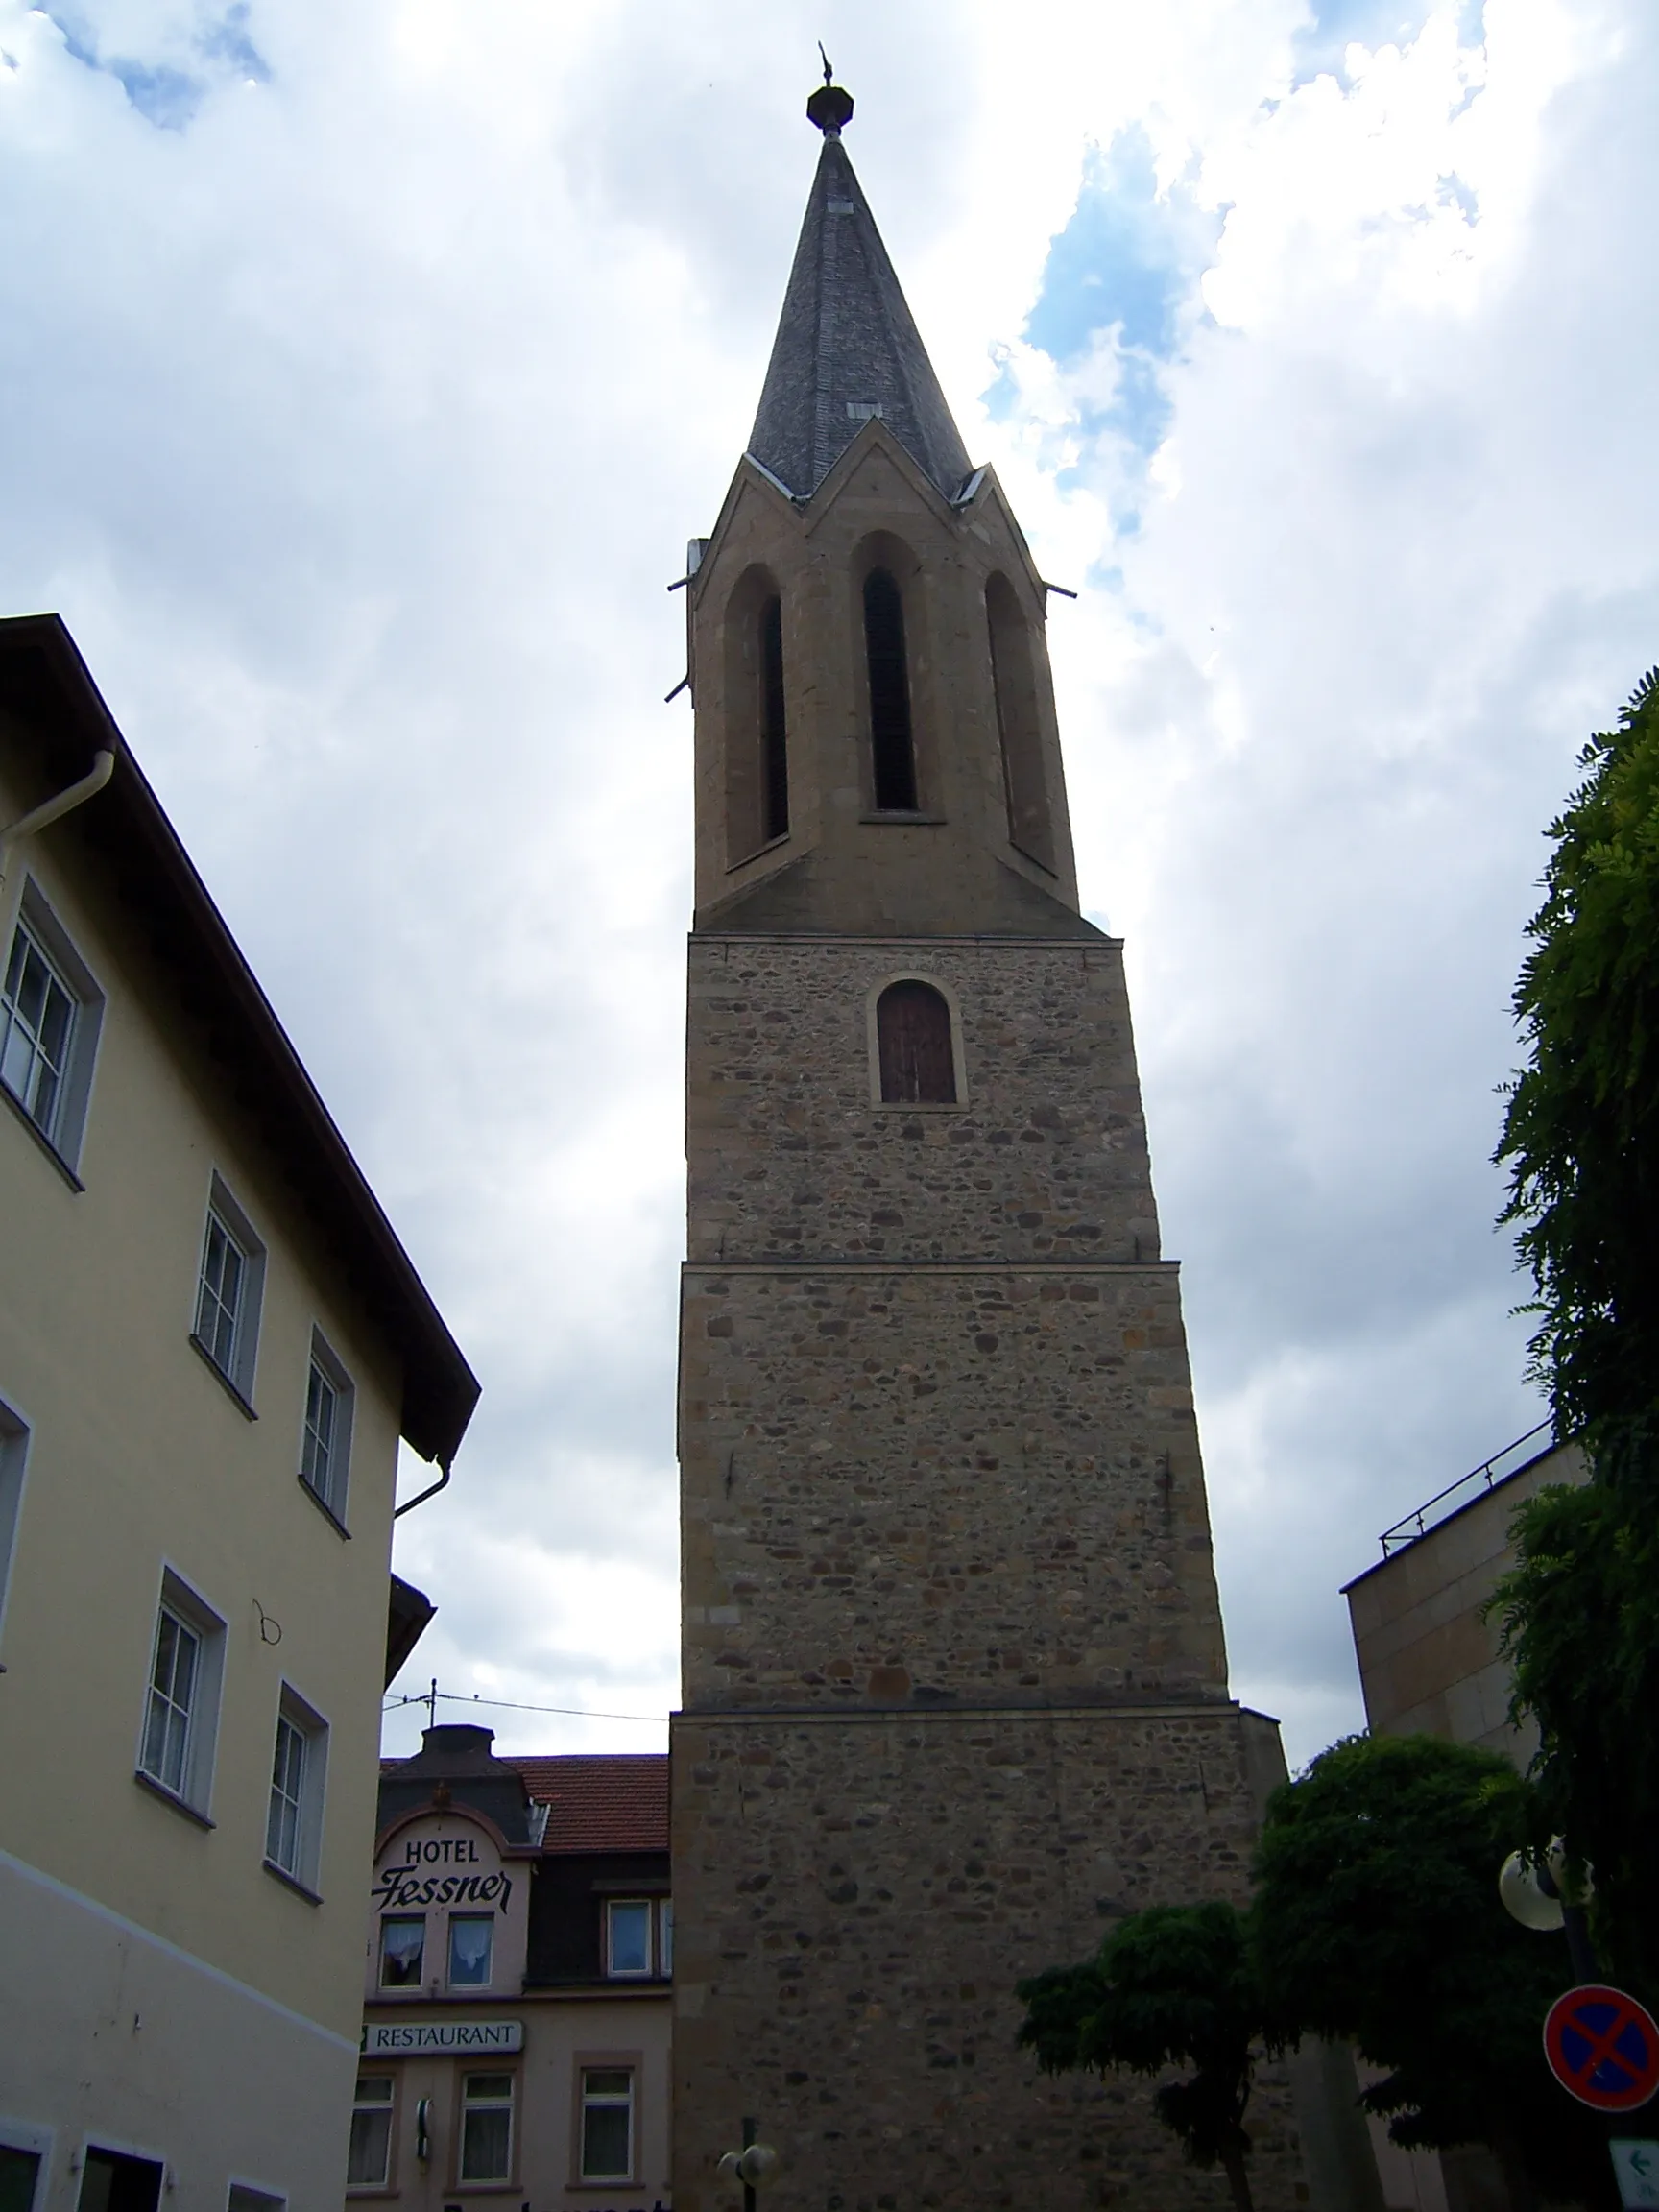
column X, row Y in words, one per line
column 1604, row 2048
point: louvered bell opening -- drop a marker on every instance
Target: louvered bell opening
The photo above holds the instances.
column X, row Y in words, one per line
column 893, row 752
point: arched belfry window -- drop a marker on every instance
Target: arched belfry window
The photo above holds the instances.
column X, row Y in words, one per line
column 1019, row 728
column 913, row 1042
column 756, row 734
column 893, row 750
column 773, row 750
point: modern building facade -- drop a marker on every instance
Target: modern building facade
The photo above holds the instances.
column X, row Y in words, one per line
column 210, row 1345
column 1429, row 1666
column 954, row 1681
column 519, row 1961
column 1429, row 1658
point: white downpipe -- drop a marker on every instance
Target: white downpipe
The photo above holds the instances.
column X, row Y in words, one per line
column 53, row 810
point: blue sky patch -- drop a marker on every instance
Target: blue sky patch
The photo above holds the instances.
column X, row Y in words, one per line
column 1122, row 274
column 161, row 90
column 1125, row 257
column 1335, row 25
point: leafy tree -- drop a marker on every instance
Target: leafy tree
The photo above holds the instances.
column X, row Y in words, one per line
column 1377, row 1920
column 1581, row 1133
column 1581, row 1611
column 1175, row 1986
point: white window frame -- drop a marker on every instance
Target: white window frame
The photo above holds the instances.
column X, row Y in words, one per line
column 194, row 1791
column 374, row 2106
column 330, row 1493
column 253, row 2197
column 65, row 1127
column 613, row 1972
column 468, row 2105
column 101, row 2145
column 489, row 1918
column 242, row 1355
column 14, row 1434
column 607, row 2101
column 35, row 2142
column 300, row 1722
column 401, row 1920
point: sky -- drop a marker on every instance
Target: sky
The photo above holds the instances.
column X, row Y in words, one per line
column 365, row 372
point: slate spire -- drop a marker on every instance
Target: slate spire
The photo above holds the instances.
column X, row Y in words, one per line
column 847, row 345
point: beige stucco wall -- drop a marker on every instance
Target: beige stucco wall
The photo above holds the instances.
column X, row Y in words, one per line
column 563, row 2031
column 1429, row 1662
column 139, row 1458
column 560, row 2035
column 114, row 2037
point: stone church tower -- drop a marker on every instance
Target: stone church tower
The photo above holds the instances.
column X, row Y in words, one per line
column 954, row 1682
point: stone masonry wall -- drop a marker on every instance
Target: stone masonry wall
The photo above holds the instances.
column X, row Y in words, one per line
column 1044, row 1158
column 938, row 1483
column 868, row 1888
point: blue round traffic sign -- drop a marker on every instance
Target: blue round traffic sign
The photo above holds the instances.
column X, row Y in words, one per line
column 1604, row 2048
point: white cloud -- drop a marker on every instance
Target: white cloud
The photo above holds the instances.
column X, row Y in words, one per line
column 368, row 410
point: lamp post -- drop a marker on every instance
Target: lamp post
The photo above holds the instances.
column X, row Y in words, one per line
column 754, row 2165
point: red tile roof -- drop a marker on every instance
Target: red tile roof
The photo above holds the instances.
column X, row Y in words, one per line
column 601, row 1801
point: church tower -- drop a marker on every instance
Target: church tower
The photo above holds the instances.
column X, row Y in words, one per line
column 953, row 1674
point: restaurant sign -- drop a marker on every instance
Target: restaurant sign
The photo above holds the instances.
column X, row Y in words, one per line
column 395, row 2039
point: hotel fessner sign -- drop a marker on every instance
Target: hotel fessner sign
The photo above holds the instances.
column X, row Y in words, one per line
column 413, row 1883
column 441, row 1871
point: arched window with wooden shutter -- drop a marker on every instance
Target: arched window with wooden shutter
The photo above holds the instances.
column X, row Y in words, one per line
column 892, row 744
column 913, row 1042
column 1019, row 728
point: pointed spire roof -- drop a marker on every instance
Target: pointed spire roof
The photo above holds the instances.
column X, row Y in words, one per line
column 847, row 345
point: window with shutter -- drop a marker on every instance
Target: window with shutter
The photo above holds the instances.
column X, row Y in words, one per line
column 913, row 1039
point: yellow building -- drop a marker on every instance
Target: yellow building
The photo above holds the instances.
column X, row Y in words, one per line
column 210, row 1344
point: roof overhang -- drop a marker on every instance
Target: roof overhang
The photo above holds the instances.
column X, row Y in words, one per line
column 46, row 686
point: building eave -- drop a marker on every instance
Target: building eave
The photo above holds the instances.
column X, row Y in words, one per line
column 46, row 686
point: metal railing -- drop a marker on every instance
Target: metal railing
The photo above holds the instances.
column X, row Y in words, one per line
column 1439, row 1507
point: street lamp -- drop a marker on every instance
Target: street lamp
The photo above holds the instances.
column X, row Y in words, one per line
column 754, row 2165
column 1538, row 1891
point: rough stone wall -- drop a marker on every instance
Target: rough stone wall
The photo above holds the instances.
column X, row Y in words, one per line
column 871, row 1888
column 1045, row 1157
column 940, row 1482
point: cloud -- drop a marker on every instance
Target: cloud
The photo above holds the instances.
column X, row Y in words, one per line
column 371, row 393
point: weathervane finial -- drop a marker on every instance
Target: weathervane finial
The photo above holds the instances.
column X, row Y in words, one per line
column 830, row 107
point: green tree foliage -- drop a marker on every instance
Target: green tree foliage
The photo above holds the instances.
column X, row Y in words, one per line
column 1172, row 1986
column 1581, row 1134
column 1581, row 1611
column 1580, row 1627
column 1377, row 1920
